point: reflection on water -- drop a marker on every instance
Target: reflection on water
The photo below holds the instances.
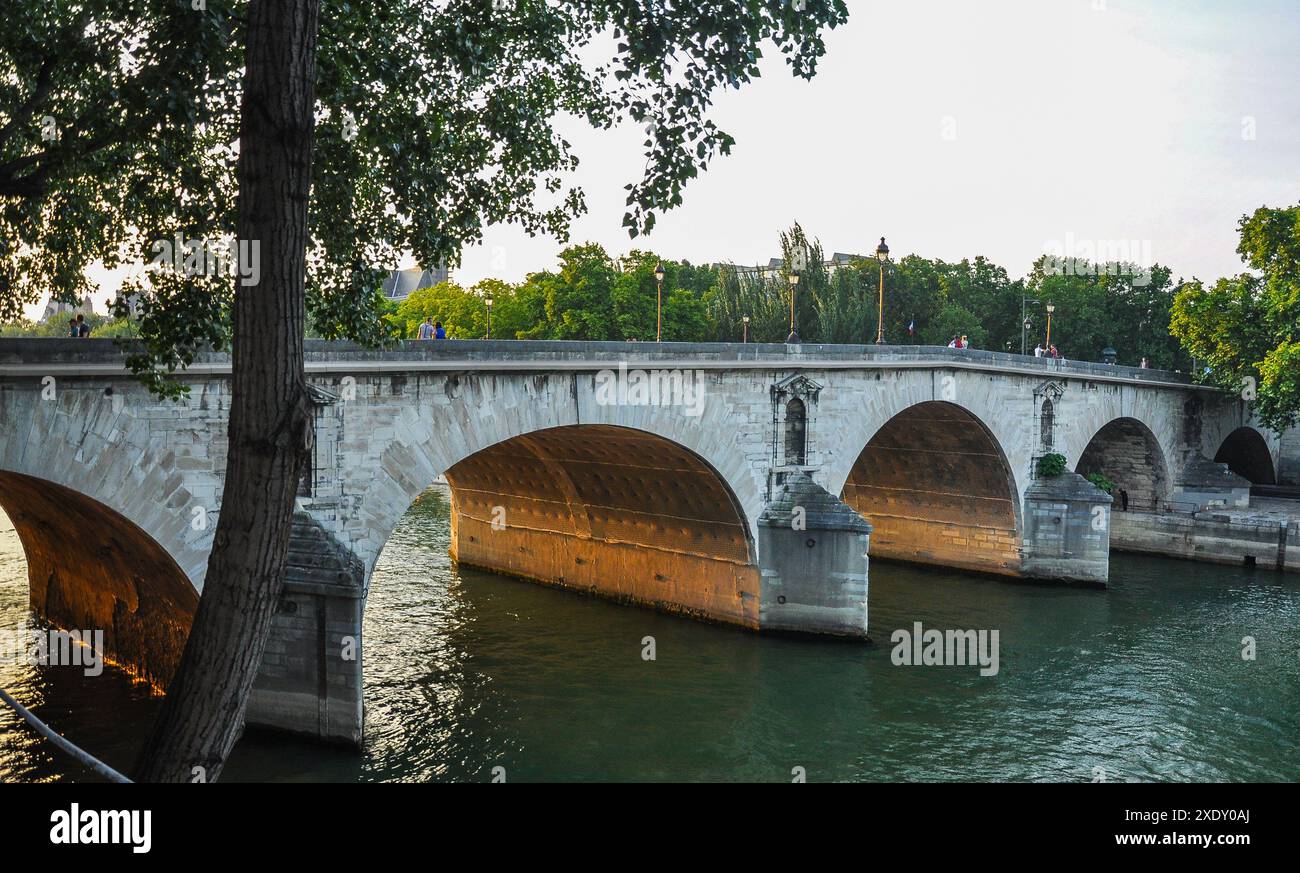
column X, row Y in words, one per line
column 466, row 671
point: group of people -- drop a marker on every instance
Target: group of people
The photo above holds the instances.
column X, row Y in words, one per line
column 78, row 327
column 432, row 330
column 959, row 342
column 1049, row 352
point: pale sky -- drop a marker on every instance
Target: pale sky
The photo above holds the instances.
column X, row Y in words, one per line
column 1123, row 123
column 1002, row 127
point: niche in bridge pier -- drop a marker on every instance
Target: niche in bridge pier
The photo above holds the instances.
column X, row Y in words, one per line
column 90, row 568
column 1126, row 452
column 937, row 489
column 612, row 511
column 796, row 435
column 1246, row 454
column 1046, row 398
column 794, row 400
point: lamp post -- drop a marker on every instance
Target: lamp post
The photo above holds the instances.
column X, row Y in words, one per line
column 1050, row 310
column 489, row 306
column 794, row 330
column 659, row 305
column 882, row 255
column 744, row 337
column 1024, row 322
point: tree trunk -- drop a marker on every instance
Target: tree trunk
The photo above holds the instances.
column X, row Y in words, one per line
column 270, row 417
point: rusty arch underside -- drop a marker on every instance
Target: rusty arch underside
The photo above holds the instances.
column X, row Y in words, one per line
column 937, row 489
column 90, row 568
column 612, row 511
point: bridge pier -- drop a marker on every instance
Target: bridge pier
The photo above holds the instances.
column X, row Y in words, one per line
column 813, row 556
column 1204, row 482
column 310, row 679
column 1067, row 530
column 1289, row 458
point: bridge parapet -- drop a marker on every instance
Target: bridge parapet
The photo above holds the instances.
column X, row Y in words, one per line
column 106, row 357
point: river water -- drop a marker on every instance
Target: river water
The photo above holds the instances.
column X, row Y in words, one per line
column 468, row 671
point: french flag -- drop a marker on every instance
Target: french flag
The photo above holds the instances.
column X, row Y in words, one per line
column 911, row 327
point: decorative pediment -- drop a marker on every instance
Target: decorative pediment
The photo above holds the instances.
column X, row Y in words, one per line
column 321, row 396
column 797, row 385
column 1050, row 389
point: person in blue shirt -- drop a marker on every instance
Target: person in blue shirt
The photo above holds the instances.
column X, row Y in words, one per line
column 439, row 332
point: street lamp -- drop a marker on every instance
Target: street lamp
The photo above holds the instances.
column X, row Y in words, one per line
column 1024, row 320
column 489, row 306
column 882, row 255
column 659, row 306
column 744, row 337
column 794, row 331
column 1050, row 310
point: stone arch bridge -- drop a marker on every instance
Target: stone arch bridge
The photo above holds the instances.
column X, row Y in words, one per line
column 738, row 483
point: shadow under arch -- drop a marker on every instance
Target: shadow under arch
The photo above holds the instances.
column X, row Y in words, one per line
column 609, row 510
column 938, row 489
column 1126, row 451
column 1246, row 453
column 90, row 568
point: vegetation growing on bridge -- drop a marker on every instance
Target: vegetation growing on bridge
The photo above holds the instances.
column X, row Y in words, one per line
column 1051, row 465
column 1102, row 481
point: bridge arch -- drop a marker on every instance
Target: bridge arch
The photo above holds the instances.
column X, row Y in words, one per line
column 936, row 485
column 610, row 510
column 1126, row 451
column 1247, row 454
column 461, row 417
column 92, row 569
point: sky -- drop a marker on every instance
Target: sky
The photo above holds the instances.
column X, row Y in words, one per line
column 1003, row 128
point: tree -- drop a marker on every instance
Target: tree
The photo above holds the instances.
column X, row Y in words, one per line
column 1246, row 328
column 740, row 293
column 117, row 119
column 635, row 296
column 529, row 302
column 508, row 316
column 435, row 119
column 685, row 317
column 270, row 415
column 462, row 313
column 580, row 299
column 955, row 320
column 1100, row 305
column 914, row 292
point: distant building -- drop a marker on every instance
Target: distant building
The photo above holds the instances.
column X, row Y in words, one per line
column 58, row 307
column 776, row 266
column 400, row 283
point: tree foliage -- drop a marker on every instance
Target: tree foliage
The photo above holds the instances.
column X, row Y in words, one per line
column 432, row 121
column 1246, row 328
